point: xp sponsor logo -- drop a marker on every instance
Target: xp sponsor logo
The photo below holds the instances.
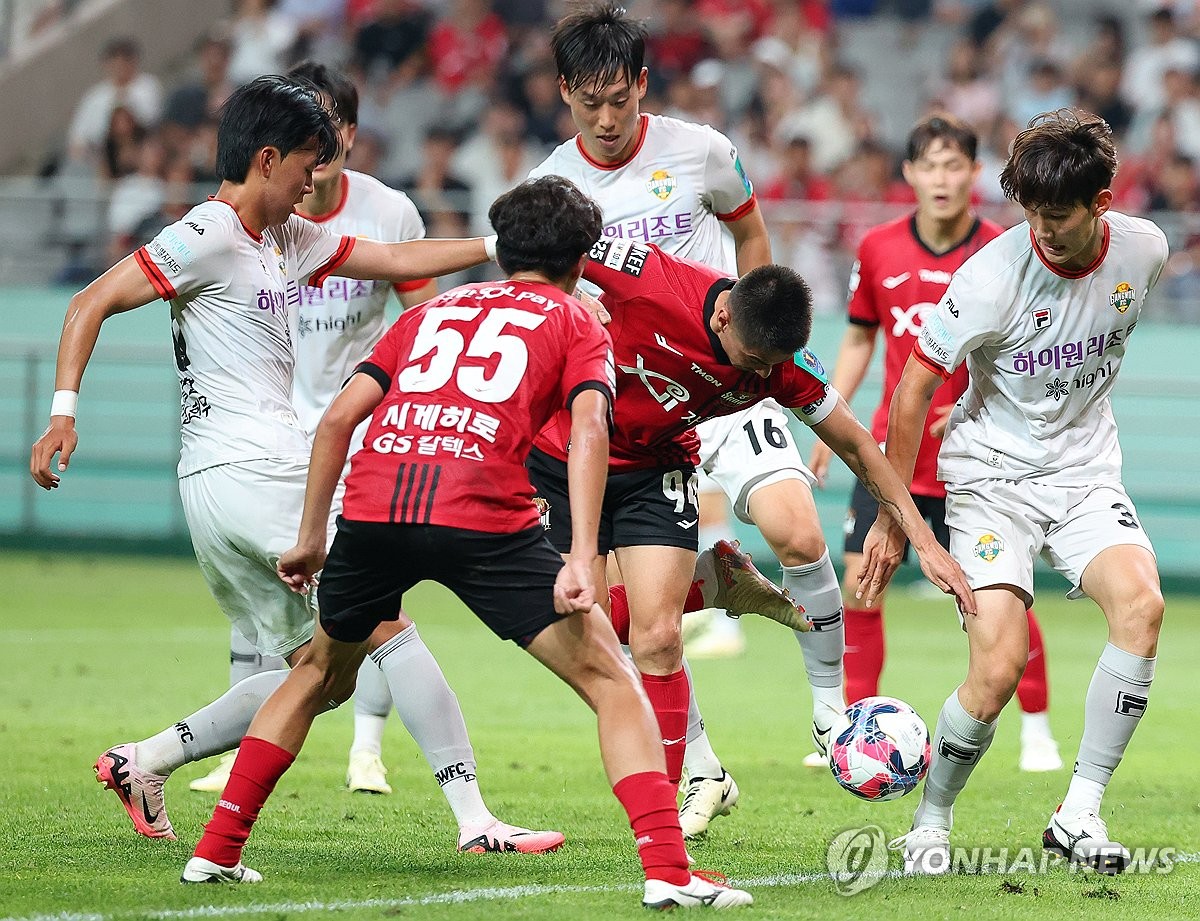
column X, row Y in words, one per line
column 988, row 547
column 1122, row 297
column 661, row 184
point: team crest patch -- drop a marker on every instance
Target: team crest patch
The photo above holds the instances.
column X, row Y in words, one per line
column 812, row 364
column 988, row 547
column 661, row 184
column 543, row 510
column 279, row 256
column 1122, row 297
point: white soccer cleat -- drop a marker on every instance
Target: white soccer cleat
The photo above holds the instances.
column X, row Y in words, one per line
column 709, row 634
column 729, row 579
column 199, row 870
column 500, row 837
column 816, row 760
column 214, row 781
column 367, row 774
column 1039, row 754
column 704, row 799
column 926, row 850
column 703, row 890
column 1083, row 838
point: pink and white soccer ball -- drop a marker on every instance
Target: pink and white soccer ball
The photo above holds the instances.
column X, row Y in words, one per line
column 880, row 750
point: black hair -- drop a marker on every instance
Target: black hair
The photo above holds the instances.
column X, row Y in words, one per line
column 334, row 84
column 121, row 47
column 770, row 309
column 272, row 111
column 945, row 128
column 544, row 225
column 1062, row 159
column 597, row 45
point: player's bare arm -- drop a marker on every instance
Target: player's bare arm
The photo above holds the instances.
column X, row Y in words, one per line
column 751, row 240
column 587, row 473
column 418, row 295
column 851, row 442
column 123, row 287
column 298, row 566
column 413, row 259
column 853, row 360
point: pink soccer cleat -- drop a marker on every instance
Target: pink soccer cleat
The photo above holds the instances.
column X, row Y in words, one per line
column 499, row 838
column 140, row 792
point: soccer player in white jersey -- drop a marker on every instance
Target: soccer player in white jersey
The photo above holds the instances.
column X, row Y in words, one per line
column 681, row 186
column 1041, row 316
column 226, row 268
column 333, row 327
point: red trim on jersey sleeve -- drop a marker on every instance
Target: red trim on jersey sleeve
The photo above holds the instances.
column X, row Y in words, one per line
column 1086, row 270
column 317, row 278
column 929, row 363
column 403, row 287
column 740, row 211
column 322, row 218
column 162, row 287
column 645, row 122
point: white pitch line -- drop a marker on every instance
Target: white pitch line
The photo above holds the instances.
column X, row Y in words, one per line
column 458, row 896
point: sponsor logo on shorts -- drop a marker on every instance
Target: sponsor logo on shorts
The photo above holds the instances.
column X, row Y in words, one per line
column 543, row 510
column 988, row 547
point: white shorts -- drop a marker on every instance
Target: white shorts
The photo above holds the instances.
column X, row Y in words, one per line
column 998, row 527
column 744, row 452
column 242, row 517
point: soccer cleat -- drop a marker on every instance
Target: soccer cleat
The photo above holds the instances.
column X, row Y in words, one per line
column 140, row 792
column 1083, row 839
column 816, row 760
column 214, row 781
column 1039, row 754
column 742, row 589
column 366, row 773
column 926, row 850
column 499, row 837
column 199, row 870
column 709, row 634
column 704, row 799
column 703, row 890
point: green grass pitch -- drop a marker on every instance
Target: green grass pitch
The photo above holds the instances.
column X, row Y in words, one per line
column 96, row 651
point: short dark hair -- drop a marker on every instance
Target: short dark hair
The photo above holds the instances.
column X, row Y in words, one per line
column 272, row 111
column 1063, row 158
column 332, row 83
column 544, row 225
column 770, row 308
column 598, row 44
column 121, row 47
column 943, row 127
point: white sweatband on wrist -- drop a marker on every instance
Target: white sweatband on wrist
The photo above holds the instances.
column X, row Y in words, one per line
column 489, row 246
column 64, row 403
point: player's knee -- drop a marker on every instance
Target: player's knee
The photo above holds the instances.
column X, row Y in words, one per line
column 995, row 682
column 798, row 548
column 1137, row 626
column 659, row 645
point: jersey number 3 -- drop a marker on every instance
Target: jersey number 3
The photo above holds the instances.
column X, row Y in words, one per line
column 445, row 345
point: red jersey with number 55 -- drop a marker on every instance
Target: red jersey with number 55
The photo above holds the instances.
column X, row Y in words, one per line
column 672, row 373
column 896, row 282
column 469, row 378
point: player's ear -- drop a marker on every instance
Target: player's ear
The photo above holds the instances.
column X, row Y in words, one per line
column 1102, row 202
column 563, row 91
column 642, row 83
column 906, row 170
column 266, row 160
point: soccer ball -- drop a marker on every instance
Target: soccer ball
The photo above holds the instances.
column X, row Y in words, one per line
column 880, row 749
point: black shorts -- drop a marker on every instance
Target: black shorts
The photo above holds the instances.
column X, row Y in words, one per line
column 643, row 508
column 864, row 510
column 507, row 580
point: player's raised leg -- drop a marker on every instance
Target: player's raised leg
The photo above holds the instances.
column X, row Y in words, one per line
column 1123, row 580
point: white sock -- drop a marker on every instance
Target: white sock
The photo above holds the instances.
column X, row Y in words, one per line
column 1083, row 795
column 699, row 759
column 368, row 733
column 372, row 704
column 959, row 741
column 816, row 587
column 1035, row 726
column 430, row 712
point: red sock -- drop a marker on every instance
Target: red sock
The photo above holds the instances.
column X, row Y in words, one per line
column 865, row 647
column 1033, row 691
column 619, row 612
column 669, row 699
column 258, row 767
column 695, row 599
column 649, row 801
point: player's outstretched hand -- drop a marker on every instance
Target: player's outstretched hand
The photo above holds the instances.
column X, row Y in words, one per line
column 298, row 568
column 818, row 461
column 573, row 590
column 941, row 569
column 595, row 308
column 59, row 438
column 883, row 551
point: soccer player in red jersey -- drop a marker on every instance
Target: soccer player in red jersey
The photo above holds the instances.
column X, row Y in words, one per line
column 692, row 344
column 457, row 389
column 902, row 271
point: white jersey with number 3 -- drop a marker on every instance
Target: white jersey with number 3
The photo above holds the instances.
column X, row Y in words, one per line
column 1043, row 348
column 674, row 190
column 337, row 325
column 229, row 316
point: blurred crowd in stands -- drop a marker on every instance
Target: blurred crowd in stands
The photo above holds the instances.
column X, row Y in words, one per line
column 460, row 99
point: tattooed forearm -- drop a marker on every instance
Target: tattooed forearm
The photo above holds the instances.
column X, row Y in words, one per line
column 864, row 475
